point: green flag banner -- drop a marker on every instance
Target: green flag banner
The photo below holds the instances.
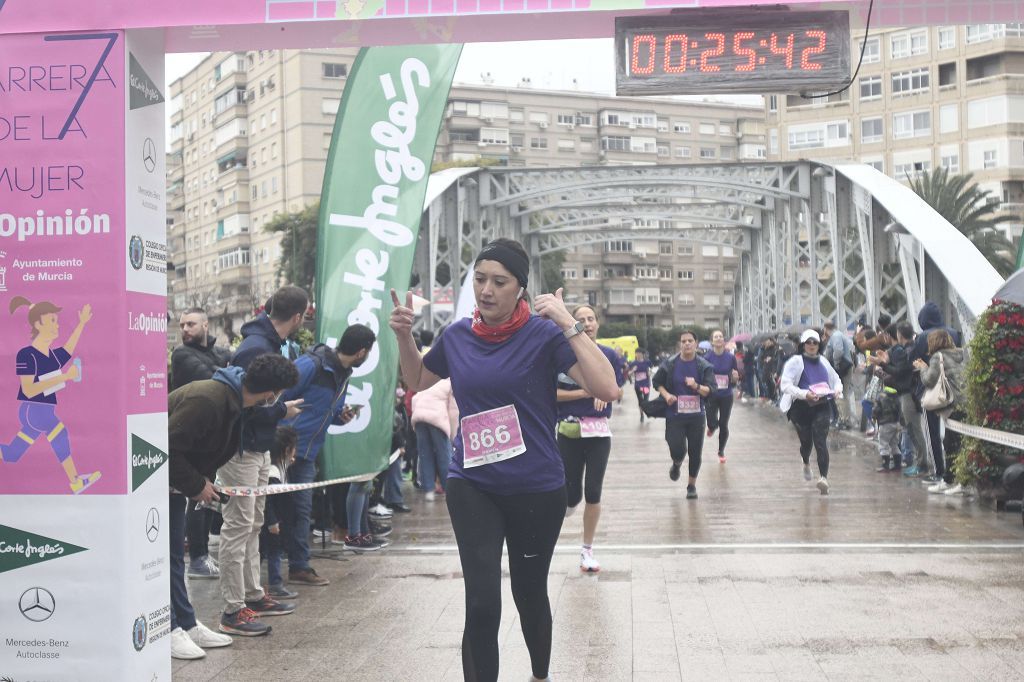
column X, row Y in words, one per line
column 370, row 210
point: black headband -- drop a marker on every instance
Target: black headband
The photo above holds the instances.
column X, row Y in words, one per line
column 514, row 262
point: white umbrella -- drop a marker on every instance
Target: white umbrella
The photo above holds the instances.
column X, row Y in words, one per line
column 1013, row 290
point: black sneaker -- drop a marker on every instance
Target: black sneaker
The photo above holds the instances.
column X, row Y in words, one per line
column 381, row 532
column 673, row 473
column 268, row 606
column 361, row 543
column 398, row 507
column 243, row 622
column 691, row 492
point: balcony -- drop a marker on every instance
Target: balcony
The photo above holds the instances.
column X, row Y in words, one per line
column 238, row 145
column 233, row 208
column 619, row 258
column 236, row 275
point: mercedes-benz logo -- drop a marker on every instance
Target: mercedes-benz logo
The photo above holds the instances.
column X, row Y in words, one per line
column 152, row 524
column 149, row 154
column 37, row 604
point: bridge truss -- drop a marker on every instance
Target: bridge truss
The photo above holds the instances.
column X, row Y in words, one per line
column 816, row 242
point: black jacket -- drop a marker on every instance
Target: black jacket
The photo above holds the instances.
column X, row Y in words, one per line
column 259, row 337
column 663, row 377
column 930, row 319
column 192, row 362
column 204, row 424
column 899, row 370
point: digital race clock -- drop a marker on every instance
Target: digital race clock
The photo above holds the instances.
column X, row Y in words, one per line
column 732, row 49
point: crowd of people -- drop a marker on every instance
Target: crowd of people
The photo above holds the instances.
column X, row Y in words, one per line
column 513, row 460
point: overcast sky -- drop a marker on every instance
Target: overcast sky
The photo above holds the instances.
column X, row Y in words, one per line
column 550, row 65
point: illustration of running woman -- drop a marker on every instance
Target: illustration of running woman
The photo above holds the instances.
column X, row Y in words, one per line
column 40, row 369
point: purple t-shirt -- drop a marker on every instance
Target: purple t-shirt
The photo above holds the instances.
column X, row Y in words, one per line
column 723, row 364
column 680, row 370
column 520, row 371
column 641, row 371
column 815, row 372
column 31, row 363
column 584, row 407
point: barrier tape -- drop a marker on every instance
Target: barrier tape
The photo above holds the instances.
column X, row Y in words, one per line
column 993, row 436
column 279, row 488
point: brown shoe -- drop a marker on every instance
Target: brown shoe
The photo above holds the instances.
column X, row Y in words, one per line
column 306, row 576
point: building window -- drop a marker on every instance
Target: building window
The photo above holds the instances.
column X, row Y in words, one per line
column 665, row 273
column 773, row 103
column 683, row 152
column 685, row 299
column 711, row 300
column 665, row 248
column 912, row 124
column 707, row 128
column 989, row 158
column 615, row 143
column 948, row 118
column 684, row 275
column 871, row 87
column 724, row 129
column 871, row 130
column 663, row 150
column 566, row 145
column 329, row 106
column 951, row 162
column 907, row 82
column 494, row 135
column 568, row 273
column 729, row 276
column 681, row 127
column 645, row 272
column 592, row 272
column 538, row 143
column 711, row 275
column 911, row 169
column 273, row 150
column 709, row 251
column 332, row 70
column 872, row 50
column 620, row 247
column 947, row 37
column 899, row 46
column 684, row 250
column 919, row 42
column 707, row 152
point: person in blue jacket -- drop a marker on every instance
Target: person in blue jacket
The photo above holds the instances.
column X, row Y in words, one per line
column 324, row 374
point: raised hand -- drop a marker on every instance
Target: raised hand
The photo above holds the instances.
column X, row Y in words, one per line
column 552, row 307
column 402, row 315
column 85, row 314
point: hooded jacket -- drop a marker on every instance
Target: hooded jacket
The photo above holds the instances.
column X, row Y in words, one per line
column 323, row 382
column 192, row 362
column 259, row 337
column 929, row 319
column 204, row 426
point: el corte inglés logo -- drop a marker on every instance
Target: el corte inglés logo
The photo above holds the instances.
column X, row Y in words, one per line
column 20, row 548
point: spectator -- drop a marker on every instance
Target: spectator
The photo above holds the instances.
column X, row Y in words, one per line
column 930, row 319
column 204, row 426
column 435, row 416
column 947, row 358
column 197, row 358
column 281, row 456
column 323, row 382
column 840, row 353
column 895, row 363
column 243, row 516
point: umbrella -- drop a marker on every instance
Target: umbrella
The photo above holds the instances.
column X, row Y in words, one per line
column 742, row 337
column 1013, row 290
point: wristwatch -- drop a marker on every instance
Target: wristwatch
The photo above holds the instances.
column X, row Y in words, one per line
column 573, row 330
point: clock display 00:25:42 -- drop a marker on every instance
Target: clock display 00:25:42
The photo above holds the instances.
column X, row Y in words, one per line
column 659, row 53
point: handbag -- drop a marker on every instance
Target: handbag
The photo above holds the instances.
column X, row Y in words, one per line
column 940, row 396
column 655, row 407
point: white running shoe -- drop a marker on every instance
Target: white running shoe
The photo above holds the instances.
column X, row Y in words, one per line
column 588, row 564
column 955, row 490
column 807, row 472
column 569, row 511
column 182, row 646
column 823, row 485
column 381, row 511
column 207, row 638
column 939, row 487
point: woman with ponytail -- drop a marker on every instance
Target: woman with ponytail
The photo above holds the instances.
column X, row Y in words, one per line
column 41, row 371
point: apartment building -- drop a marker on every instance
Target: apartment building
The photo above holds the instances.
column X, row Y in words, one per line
column 250, row 133
column 939, row 96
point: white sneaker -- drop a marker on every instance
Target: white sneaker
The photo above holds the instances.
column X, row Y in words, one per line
column 569, row 511
column 430, row 496
column 807, row 472
column 207, row 638
column 588, row 564
column 182, row 646
column 381, row 511
column 939, row 487
column 823, row 485
column 317, row 533
column 955, row 490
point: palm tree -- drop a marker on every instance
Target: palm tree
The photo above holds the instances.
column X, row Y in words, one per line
column 971, row 210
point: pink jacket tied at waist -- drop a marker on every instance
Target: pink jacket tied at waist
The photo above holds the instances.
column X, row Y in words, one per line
column 436, row 406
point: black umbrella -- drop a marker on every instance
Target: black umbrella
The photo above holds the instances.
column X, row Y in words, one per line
column 1013, row 290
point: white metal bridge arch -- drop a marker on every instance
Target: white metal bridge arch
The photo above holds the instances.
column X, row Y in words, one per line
column 817, row 242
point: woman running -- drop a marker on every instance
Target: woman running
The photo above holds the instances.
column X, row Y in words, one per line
column 720, row 404
column 506, row 482
column 808, row 386
column 585, row 442
column 641, row 369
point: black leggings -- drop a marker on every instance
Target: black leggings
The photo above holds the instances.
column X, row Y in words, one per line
column 579, row 454
column 529, row 524
column 685, row 437
column 719, row 411
column 812, row 426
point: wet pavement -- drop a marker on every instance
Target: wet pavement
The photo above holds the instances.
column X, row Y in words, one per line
column 759, row 578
